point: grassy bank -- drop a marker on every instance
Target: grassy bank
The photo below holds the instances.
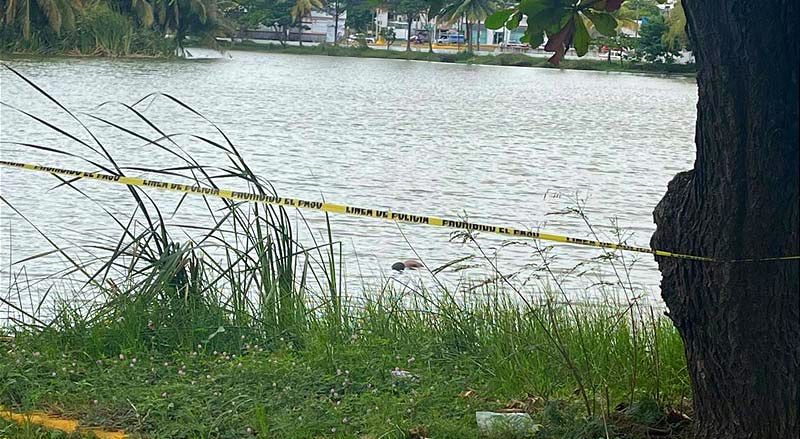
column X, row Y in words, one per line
column 231, row 327
column 383, row 369
column 518, row 60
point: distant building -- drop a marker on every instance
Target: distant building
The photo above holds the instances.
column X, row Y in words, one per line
column 318, row 27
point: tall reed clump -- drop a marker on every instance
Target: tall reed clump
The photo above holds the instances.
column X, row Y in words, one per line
column 244, row 277
column 158, row 286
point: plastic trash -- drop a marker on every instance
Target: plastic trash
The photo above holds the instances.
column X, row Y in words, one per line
column 516, row 425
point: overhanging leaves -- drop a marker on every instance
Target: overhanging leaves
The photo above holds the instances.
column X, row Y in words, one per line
column 498, row 19
column 581, row 39
column 604, row 22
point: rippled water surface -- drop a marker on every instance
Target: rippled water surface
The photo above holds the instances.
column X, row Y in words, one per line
column 502, row 145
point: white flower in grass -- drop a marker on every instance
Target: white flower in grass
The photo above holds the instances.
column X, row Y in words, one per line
column 94, row 402
column 121, row 357
column 193, row 383
column 164, row 395
column 333, row 429
column 242, row 337
column 338, row 372
column 215, row 352
column 199, row 346
column 248, row 430
column 53, row 374
column 345, row 421
column 216, row 393
column 274, row 384
column 35, row 354
column 99, row 362
column 208, row 377
column 166, row 364
column 63, row 369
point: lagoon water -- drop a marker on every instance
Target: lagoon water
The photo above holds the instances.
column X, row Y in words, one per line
column 501, row 145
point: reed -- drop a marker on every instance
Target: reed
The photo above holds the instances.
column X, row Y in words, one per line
column 242, row 326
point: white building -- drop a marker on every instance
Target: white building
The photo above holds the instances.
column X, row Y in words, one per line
column 318, row 27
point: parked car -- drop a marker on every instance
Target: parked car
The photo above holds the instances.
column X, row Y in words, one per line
column 355, row 38
column 451, row 39
column 419, row 38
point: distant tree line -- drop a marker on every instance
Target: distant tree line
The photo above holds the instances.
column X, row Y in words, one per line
column 163, row 27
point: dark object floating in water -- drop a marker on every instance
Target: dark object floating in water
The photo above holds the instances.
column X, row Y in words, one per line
column 411, row 264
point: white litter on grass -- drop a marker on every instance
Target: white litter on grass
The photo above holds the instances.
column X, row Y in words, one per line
column 402, row 374
column 516, row 424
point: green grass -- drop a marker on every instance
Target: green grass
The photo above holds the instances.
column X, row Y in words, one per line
column 242, row 330
column 518, row 60
column 338, row 382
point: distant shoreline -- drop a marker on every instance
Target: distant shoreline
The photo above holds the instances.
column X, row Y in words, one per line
column 508, row 59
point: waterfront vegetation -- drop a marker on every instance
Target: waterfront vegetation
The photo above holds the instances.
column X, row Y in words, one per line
column 507, row 59
column 243, row 330
column 162, row 28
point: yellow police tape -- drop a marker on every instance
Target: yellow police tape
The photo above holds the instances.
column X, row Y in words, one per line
column 59, row 423
column 350, row 210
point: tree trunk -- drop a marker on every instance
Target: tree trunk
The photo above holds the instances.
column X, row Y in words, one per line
column 301, row 32
column 408, row 34
column 478, row 39
column 740, row 321
column 469, row 36
column 336, row 23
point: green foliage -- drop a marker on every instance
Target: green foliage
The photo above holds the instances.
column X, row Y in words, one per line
column 359, row 15
column 651, row 44
column 561, row 21
column 675, row 38
column 107, row 27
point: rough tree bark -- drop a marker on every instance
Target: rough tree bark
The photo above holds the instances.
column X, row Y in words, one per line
column 740, row 321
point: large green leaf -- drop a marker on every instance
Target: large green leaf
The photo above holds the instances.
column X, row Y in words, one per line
column 581, row 38
column 604, row 22
column 498, row 19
